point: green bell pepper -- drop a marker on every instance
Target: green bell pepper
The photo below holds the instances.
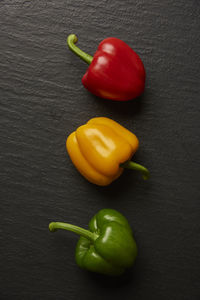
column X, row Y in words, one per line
column 108, row 247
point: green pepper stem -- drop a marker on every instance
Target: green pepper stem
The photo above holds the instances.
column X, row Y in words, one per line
column 54, row 226
column 71, row 41
column 134, row 166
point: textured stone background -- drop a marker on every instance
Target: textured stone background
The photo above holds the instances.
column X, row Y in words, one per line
column 42, row 101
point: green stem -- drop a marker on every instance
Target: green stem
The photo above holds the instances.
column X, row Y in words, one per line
column 53, row 226
column 71, row 41
column 134, row 166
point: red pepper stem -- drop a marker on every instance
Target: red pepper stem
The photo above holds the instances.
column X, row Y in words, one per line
column 71, row 41
column 54, row 226
column 134, row 166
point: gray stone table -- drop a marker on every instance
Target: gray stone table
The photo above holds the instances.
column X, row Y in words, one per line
column 42, row 101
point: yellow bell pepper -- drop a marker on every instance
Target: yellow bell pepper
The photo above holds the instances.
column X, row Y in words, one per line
column 101, row 149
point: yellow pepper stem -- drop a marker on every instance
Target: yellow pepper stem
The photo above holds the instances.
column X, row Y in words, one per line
column 134, row 166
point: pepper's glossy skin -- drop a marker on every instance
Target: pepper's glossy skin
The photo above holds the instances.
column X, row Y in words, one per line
column 99, row 147
column 109, row 248
column 116, row 72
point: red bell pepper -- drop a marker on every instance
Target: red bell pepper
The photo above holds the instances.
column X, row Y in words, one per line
column 116, row 72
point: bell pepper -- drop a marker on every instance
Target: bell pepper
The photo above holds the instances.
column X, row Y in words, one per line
column 101, row 149
column 116, row 72
column 108, row 247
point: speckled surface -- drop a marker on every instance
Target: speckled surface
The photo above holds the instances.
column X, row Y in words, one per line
column 42, row 100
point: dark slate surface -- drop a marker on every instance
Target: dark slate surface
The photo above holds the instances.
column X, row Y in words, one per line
column 42, row 101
